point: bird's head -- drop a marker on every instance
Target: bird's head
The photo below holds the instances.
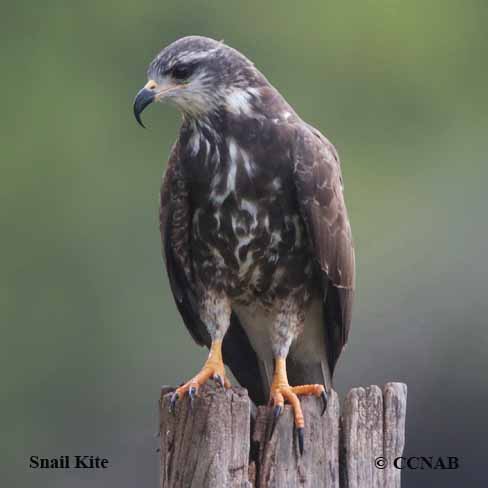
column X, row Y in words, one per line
column 200, row 75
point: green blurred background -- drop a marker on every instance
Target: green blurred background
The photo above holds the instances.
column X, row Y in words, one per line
column 89, row 330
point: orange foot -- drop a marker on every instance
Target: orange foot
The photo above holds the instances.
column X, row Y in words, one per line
column 281, row 391
column 213, row 368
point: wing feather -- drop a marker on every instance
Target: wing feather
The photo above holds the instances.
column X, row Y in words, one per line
column 320, row 196
column 174, row 225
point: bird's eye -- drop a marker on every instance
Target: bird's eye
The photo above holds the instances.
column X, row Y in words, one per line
column 181, row 72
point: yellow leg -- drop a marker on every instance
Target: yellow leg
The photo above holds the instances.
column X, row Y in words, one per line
column 213, row 368
column 281, row 391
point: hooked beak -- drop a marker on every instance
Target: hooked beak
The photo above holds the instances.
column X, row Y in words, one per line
column 145, row 96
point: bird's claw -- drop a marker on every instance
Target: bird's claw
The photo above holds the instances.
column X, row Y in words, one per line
column 219, row 380
column 172, row 403
column 277, row 411
column 300, row 440
column 213, row 368
column 324, row 398
column 282, row 391
column 192, row 392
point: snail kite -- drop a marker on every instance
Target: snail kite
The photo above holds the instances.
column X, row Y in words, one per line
column 256, row 237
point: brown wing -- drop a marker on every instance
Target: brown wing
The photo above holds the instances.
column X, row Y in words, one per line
column 318, row 182
column 175, row 217
column 174, row 224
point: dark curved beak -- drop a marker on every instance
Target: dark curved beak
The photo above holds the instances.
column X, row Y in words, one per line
column 142, row 100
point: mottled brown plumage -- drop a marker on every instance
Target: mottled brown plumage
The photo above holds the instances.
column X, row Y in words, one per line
column 255, row 232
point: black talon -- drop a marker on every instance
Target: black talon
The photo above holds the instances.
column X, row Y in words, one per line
column 300, row 440
column 219, row 379
column 277, row 411
column 158, row 449
column 323, row 395
column 192, row 392
column 172, row 403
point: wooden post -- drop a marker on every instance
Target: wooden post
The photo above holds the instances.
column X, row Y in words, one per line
column 220, row 445
column 209, row 446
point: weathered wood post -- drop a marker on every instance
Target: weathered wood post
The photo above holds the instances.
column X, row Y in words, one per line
column 219, row 445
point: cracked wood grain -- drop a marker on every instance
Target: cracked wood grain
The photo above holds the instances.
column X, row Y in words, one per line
column 220, row 445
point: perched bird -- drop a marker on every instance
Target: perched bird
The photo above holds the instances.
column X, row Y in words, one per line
column 255, row 232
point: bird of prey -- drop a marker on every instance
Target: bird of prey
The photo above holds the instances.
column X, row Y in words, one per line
column 255, row 233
